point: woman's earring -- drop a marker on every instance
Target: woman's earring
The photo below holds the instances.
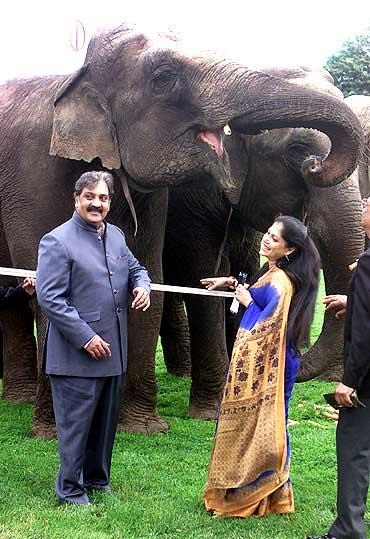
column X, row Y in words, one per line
column 287, row 257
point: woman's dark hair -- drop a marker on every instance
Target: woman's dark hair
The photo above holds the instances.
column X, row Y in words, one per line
column 303, row 268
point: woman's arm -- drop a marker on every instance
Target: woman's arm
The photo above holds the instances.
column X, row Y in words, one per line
column 211, row 283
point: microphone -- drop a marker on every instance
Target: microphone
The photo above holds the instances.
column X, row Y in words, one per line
column 242, row 279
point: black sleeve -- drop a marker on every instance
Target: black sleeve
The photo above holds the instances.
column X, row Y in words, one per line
column 357, row 361
column 12, row 297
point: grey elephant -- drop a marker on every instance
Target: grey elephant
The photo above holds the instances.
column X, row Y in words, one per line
column 154, row 115
column 324, row 359
column 269, row 168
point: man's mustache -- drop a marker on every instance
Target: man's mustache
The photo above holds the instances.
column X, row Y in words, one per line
column 95, row 208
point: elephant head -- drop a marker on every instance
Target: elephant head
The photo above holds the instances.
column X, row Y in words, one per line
column 145, row 105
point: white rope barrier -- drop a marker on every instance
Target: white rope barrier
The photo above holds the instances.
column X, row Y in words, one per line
column 15, row 272
column 189, row 290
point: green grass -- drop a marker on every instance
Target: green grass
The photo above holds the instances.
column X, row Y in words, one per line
column 158, row 480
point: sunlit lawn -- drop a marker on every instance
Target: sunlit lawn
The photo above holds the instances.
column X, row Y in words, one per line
column 158, row 480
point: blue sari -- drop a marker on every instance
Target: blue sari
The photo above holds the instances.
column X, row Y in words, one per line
column 249, row 468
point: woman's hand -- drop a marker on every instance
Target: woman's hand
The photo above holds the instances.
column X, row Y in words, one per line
column 243, row 295
column 211, row 283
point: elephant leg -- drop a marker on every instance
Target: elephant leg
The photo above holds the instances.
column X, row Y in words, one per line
column 175, row 336
column 19, row 355
column 209, row 355
column 24, row 256
column 138, row 411
column 43, row 419
column 17, row 344
column 334, row 219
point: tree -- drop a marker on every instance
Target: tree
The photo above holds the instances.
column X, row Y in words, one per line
column 350, row 66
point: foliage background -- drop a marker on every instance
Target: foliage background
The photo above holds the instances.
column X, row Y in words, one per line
column 350, row 66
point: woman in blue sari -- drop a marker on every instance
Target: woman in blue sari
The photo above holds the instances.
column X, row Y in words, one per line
column 249, row 468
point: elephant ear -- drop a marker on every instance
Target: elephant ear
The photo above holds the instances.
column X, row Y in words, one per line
column 82, row 125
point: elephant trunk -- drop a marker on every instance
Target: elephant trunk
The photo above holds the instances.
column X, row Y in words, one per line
column 332, row 217
column 254, row 101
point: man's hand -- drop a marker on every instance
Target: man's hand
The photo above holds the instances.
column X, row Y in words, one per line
column 242, row 295
column 211, row 283
column 343, row 395
column 335, row 302
column 29, row 285
column 141, row 299
column 98, row 348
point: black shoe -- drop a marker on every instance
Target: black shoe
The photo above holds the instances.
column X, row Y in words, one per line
column 325, row 536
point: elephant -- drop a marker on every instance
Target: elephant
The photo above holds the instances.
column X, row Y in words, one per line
column 268, row 166
column 329, row 345
column 153, row 113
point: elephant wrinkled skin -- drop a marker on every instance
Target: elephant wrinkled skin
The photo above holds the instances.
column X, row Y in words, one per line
column 360, row 104
column 154, row 115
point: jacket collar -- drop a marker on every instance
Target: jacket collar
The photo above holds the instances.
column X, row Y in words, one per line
column 77, row 219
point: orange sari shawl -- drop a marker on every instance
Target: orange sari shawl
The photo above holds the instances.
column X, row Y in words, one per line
column 249, row 468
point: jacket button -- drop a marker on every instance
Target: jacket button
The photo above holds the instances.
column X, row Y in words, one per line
column 119, row 309
column 115, row 291
column 111, row 273
column 99, row 238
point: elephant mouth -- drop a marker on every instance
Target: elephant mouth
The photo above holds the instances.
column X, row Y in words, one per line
column 212, row 137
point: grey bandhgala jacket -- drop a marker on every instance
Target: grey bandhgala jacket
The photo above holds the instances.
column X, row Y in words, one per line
column 82, row 285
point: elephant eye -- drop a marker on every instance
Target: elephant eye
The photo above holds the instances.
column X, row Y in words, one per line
column 164, row 81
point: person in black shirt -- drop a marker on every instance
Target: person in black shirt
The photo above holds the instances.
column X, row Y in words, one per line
column 353, row 432
column 12, row 297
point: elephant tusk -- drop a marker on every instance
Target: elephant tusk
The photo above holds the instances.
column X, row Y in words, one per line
column 126, row 192
column 227, row 130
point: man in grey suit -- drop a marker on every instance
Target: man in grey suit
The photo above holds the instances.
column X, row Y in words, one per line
column 84, row 275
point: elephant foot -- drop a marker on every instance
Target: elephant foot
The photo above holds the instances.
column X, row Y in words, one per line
column 48, row 432
column 146, row 424
column 26, row 398
column 180, row 373
column 206, row 413
column 179, row 368
column 19, row 394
